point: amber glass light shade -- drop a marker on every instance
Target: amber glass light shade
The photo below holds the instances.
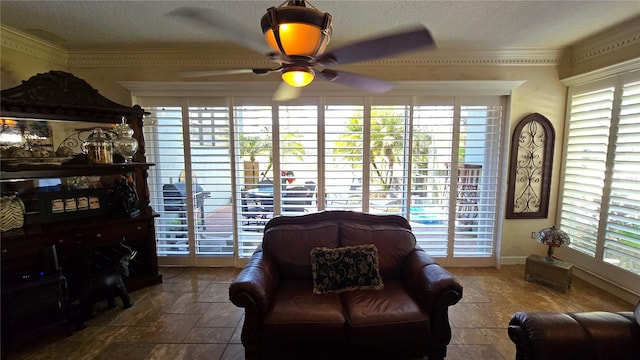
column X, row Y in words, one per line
column 298, row 78
column 296, row 39
column 296, row 30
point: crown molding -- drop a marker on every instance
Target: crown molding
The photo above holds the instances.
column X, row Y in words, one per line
column 225, row 57
column 32, row 46
column 222, row 57
column 621, row 36
column 617, row 69
column 613, row 39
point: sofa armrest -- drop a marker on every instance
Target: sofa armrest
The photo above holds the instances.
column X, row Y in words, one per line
column 254, row 287
column 431, row 284
column 435, row 289
column 594, row 335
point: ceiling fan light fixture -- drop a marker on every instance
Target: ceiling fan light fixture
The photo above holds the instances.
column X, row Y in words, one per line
column 298, row 77
column 293, row 29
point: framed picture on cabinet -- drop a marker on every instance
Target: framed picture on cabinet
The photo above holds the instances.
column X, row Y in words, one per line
column 69, row 204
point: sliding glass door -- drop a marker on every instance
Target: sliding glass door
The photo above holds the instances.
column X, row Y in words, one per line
column 225, row 166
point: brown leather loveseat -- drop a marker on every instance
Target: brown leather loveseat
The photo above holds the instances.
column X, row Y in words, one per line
column 391, row 305
column 596, row 335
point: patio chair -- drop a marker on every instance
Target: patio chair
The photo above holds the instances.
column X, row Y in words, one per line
column 252, row 211
column 298, row 198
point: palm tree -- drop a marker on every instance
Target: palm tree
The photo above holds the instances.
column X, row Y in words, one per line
column 387, row 138
column 257, row 145
column 252, row 146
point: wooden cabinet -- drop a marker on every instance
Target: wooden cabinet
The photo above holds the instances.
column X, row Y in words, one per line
column 86, row 244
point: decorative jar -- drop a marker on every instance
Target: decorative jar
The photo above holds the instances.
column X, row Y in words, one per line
column 99, row 147
column 124, row 143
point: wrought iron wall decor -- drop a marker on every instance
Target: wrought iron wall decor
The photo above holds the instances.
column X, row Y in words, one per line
column 530, row 168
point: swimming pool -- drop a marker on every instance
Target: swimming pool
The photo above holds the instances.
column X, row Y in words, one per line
column 426, row 216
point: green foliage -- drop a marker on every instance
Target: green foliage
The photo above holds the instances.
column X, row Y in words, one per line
column 387, row 142
column 256, row 145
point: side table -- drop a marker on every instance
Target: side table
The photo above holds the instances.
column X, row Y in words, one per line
column 556, row 275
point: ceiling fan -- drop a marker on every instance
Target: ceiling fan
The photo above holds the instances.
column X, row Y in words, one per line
column 296, row 38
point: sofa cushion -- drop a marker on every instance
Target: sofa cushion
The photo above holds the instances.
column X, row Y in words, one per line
column 298, row 315
column 345, row 268
column 394, row 243
column 290, row 245
column 388, row 316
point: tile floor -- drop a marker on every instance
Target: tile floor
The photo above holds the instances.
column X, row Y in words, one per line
column 189, row 316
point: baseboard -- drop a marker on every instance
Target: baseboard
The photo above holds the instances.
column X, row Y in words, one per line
column 513, row 260
column 593, row 279
column 606, row 285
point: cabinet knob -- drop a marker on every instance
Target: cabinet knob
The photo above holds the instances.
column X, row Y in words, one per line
column 139, row 227
column 4, row 251
column 60, row 241
column 98, row 235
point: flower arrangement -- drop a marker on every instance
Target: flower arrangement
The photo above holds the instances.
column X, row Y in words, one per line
column 287, row 177
column 553, row 238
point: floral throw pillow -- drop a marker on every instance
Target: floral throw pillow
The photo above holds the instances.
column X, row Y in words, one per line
column 345, row 268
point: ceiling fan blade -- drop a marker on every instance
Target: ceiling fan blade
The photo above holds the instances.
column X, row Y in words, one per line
column 357, row 81
column 286, row 92
column 205, row 73
column 208, row 20
column 414, row 38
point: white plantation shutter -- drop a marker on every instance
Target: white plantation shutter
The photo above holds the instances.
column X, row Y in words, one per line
column 478, row 178
column 164, row 146
column 601, row 191
column 205, row 143
column 343, row 155
column 456, row 146
column 388, row 179
column 622, row 239
column 586, row 156
column 253, row 133
column 432, row 146
column 299, row 157
column 210, row 178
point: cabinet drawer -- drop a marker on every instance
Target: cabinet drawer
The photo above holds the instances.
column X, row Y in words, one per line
column 22, row 247
column 29, row 246
column 115, row 234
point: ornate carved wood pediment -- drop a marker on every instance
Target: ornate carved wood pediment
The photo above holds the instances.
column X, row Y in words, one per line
column 58, row 95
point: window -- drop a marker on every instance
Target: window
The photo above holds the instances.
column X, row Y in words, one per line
column 433, row 160
column 600, row 199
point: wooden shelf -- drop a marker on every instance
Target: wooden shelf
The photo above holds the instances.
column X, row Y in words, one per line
column 36, row 171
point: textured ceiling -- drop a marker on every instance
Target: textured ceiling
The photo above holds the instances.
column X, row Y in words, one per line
column 482, row 25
